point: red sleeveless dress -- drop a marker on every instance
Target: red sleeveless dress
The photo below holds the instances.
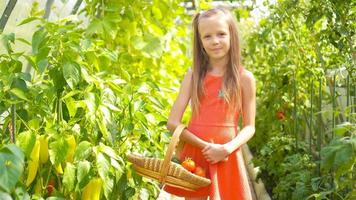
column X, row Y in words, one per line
column 214, row 124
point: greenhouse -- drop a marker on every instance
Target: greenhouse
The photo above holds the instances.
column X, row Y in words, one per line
column 121, row 99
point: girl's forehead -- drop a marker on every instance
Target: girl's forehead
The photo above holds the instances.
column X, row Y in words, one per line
column 212, row 22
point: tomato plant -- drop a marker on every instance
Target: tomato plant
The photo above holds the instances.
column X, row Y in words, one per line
column 280, row 115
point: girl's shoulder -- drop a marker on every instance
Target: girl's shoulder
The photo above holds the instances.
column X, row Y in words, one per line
column 246, row 77
column 189, row 72
column 188, row 77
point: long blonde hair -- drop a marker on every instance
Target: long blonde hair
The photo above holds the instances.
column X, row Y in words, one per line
column 231, row 81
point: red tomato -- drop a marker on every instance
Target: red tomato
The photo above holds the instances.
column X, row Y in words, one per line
column 199, row 171
column 50, row 187
column 189, row 164
column 280, row 115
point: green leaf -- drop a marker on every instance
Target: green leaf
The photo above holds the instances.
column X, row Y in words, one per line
column 5, row 196
column 24, row 41
column 11, row 166
column 69, row 177
column 71, row 73
column 103, row 129
column 118, row 81
column 31, row 60
column 26, row 140
column 108, row 151
column 336, row 154
column 37, row 38
column 344, row 154
column 55, row 198
column 122, row 184
column 71, row 106
column 58, row 150
column 28, row 20
column 83, row 151
column 3, row 108
column 103, row 166
column 157, row 13
column 20, row 84
column 42, row 65
column 129, row 192
column 19, row 93
column 342, row 128
column 34, row 123
column 95, row 27
column 21, row 193
column 24, row 77
column 70, row 94
column 153, row 47
column 83, row 172
column 6, row 40
column 141, row 117
column 138, row 43
column 57, row 76
column 15, row 66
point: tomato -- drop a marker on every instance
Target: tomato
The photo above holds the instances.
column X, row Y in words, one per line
column 189, row 164
column 199, row 171
column 51, row 187
column 280, row 115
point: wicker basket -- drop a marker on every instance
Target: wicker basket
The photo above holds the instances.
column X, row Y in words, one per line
column 167, row 172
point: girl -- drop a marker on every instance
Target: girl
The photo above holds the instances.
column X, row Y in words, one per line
column 220, row 89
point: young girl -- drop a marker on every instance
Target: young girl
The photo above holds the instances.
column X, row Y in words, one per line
column 220, row 90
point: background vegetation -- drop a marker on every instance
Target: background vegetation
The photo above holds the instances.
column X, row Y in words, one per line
column 95, row 87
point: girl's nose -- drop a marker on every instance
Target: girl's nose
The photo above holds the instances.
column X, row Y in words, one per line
column 215, row 40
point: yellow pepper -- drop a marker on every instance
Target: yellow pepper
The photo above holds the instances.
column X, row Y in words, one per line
column 59, row 168
column 71, row 148
column 33, row 163
column 92, row 190
column 43, row 149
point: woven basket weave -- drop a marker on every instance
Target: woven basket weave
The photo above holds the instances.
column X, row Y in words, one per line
column 165, row 171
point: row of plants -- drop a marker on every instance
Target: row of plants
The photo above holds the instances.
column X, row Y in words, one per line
column 305, row 143
column 97, row 91
column 94, row 92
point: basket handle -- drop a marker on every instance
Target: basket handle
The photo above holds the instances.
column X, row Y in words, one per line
column 169, row 153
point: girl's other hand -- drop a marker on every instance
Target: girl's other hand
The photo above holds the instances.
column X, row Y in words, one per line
column 215, row 153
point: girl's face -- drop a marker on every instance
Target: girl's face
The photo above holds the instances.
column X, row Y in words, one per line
column 215, row 36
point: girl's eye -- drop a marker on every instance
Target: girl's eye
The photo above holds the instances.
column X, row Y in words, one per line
column 207, row 36
column 222, row 34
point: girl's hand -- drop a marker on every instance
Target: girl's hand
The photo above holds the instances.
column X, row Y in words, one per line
column 215, row 153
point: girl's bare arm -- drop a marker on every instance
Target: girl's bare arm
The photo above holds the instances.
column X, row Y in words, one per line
column 178, row 109
column 248, row 87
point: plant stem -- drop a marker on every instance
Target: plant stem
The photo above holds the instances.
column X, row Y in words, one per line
column 6, row 14
column 48, row 9
column 13, row 124
column 311, row 113
column 76, row 7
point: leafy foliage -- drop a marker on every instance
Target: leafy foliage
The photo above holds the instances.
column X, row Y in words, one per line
column 95, row 91
column 294, row 53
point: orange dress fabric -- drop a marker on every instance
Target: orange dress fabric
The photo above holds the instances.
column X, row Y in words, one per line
column 214, row 124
